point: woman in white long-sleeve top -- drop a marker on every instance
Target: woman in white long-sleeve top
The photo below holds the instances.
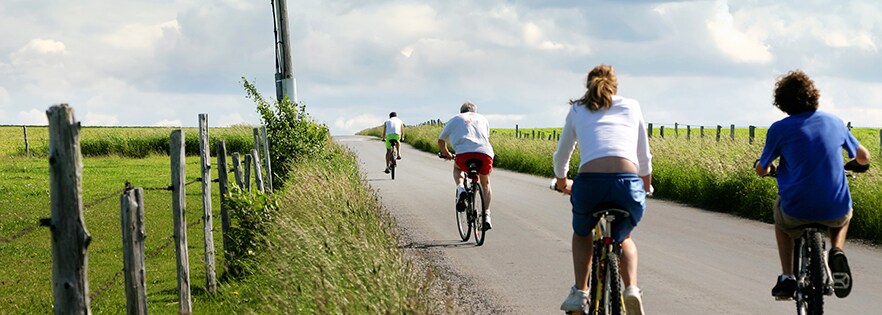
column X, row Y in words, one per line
column 615, row 166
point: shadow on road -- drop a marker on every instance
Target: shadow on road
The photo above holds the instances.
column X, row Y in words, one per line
column 438, row 244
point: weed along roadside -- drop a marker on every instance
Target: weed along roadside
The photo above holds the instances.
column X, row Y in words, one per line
column 709, row 170
column 277, row 254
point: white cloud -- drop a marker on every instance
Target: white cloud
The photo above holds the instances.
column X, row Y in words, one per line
column 168, row 123
column 33, row 117
column 744, row 46
column 4, row 97
column 140, row 36
column 232, row 119
column 358, row 123
column 96, row 119
column 504, row 119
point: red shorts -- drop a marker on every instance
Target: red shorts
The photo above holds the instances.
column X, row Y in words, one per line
column 486, row 162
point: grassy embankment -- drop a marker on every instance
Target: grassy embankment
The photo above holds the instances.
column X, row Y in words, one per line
column 698, row 171
column 332, row 251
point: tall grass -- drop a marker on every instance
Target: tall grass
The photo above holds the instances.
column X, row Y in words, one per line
column 697, row 171
column 334, row 250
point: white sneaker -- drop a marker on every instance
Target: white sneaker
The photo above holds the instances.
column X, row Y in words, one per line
column 460, row 198
column 633, row 300
column 576, row 301
column 487, row 223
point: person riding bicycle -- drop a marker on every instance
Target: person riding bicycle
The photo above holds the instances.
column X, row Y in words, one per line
column 615, row 167
column 469, row 134
column 393, row 129
column 812, row 186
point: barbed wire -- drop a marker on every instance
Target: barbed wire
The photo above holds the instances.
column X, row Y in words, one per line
column 23, row 232
column 106, row 285
column 102, row 199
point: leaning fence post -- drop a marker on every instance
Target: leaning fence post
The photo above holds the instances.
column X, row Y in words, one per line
column 258, row 175
column 131, row 208
column 179, row 198
column 237, row 170
column 70, row 239
column 248, row 163
column 224, row 185
column 207, row 221
column 27, row 146
column 266, row 156
column 751, row 131
column 732, row 131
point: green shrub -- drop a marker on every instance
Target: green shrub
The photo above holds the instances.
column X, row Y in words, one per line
column 252, row 221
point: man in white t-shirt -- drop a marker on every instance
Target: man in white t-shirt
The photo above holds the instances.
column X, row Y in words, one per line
column 469, row 134
column 393, row 129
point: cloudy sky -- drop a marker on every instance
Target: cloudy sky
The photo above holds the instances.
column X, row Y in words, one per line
column 163, row 62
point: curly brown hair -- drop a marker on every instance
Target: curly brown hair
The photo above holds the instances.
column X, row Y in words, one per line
column 795, row 93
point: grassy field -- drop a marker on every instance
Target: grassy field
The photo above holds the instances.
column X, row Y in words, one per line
column 359, row 269
column 698, row 171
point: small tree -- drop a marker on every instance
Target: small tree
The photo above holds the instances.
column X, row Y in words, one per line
column 292, row 133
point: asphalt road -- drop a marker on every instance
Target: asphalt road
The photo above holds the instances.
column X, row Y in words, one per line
column 692, row 261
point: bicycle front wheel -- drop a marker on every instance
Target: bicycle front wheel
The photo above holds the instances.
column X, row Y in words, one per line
column 477, row 206
column 614, row 279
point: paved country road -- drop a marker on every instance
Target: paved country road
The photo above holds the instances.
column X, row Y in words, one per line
column 692, row 261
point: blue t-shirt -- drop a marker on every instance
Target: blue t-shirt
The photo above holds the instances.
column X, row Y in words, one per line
column 811, row 175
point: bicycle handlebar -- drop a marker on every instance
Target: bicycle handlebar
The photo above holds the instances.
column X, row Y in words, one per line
column 442, row 156
column 852, row 165
column 553, row 186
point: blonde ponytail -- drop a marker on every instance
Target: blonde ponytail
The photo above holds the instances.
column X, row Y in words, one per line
column 601, row 87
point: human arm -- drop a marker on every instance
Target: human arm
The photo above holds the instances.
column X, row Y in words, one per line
column 402, row 132
column 445, row 153
column 565, row 147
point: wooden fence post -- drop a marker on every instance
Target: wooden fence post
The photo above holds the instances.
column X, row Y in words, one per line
column 237, row 170
column 752, row 130
column 207, row 220
column 131, row 216
column 649, row 129
column 688, row 132
column 179, row 199
column 266, row 156
column 517, row 133
column 70, row 239
column 732, row 131
column 676, row 130
column 702, row 131
column 719, row 129
column 258, row 175
column 248, row 163
column 661, row 131
column 224, row 185
column 256, row 140
column 27, row 146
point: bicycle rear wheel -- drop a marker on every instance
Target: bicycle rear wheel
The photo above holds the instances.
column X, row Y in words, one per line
column 394, row 163
column 614, row 280
column 463, row 222
column 817, row 271
column 477, row 202
column 595, row 297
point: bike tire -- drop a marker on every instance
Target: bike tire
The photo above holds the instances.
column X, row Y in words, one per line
column 463, row 222
column 394, row 162
column 478, row 203
column 594, row 297
column 800, row 268
column 817, row 273
column 616, row 303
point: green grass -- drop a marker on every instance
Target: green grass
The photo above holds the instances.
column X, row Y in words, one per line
column 698, row 171
column 336, row 249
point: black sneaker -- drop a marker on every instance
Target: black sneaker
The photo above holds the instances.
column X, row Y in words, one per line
column 399, row 157
column 386, row 171
column 784, row 289
column 840, row 272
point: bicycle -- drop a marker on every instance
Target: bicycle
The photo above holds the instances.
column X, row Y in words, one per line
column 394, row 157
column 814, row 280
column 470, row 218
column 605, row 291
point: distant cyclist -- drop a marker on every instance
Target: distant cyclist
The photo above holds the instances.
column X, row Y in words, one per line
column 469, row 134
column 812, row 186
column 393, row 129
column 615, row 167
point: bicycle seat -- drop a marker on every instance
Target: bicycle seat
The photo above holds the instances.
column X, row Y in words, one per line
column 607, row 208
column 473, row 165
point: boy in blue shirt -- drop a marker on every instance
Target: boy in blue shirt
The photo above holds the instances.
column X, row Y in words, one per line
column 812, row 186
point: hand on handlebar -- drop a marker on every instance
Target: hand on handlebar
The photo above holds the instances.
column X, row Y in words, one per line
column 561, row 185
column 447, row 156
column 772, row 169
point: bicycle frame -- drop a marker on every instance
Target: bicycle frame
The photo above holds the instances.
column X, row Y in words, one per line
column 604, row 280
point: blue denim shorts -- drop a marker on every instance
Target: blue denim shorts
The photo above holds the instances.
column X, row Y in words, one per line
column 593, row 189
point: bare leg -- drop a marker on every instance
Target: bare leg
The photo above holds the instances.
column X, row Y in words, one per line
column 485, row 183
column 629, row 262
column 837, row 236
column 583, row 248
column 388, row 156
column 785, row 250
column 457, row 175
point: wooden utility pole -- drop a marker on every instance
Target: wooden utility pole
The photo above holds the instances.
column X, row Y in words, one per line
column 70, row 239
column 286, row 84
